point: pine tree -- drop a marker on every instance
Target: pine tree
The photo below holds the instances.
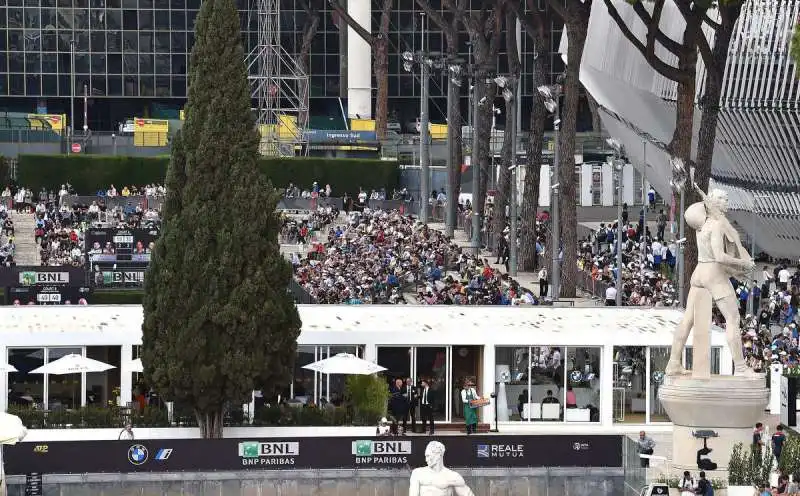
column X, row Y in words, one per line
column 218, row 319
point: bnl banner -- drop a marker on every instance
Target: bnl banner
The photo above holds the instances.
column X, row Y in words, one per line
column 203, row 455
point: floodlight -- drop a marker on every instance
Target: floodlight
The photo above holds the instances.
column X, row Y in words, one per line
column 550, row 105
column 500, row 81
column 455, row 69
column 408, row 56
column 508, row 95
column 408, row 66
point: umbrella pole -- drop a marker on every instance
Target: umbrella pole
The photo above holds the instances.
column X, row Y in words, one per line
column 3, row 488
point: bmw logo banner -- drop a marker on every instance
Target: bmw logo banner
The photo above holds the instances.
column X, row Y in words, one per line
column 208, row 455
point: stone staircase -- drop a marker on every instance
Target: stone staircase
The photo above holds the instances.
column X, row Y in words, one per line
column 27, row 251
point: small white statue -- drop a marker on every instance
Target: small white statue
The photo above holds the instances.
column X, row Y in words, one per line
column 720, row 255
column 436, row 479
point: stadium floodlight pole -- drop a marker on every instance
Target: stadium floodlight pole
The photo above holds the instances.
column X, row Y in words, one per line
column 476, row 173
column 679, row 183
column 644, row 227
column 424, row 129
column 71, row 90
column 551, row 96
column 618, row 165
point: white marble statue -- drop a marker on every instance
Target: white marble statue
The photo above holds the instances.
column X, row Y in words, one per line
column 720, row 255
column 436, row 479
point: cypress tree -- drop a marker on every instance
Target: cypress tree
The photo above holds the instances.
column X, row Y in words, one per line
column 218, row 321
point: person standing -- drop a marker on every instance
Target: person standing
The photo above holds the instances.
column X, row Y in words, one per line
column 704, row 487
column 470, row 415
column 758, row 440
column 544, row 283
column 397, row 403
column 661, row 224
column 611, row 295
column 777, row 442
column 426, row 397
column 410, row 395
column 646, row 446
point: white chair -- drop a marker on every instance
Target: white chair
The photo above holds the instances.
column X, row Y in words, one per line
column 551, row 411
column 577, row 415
column 531, row 411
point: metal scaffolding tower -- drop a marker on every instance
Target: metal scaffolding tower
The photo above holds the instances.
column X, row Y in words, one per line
column 278, row 85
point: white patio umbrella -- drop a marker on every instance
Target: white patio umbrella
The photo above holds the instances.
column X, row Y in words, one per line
column 6, row 368
column 346, row 364
column 136, row 365
column 72, row 364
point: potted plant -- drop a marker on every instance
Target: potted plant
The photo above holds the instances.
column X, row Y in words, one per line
column 748, row 469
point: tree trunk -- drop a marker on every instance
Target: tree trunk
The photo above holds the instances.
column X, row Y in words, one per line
column 309, row 32
column 681, row 144
column 709, row 105
column 485, row 149
column 381, row 68
column 381, row 53
column 530, row 194
column 210, row 424
column 502, row 195
column 453, row 130
column 577, row 26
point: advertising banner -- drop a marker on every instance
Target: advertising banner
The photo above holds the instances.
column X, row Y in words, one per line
column 48, row 295
column 130, row 247
column 203, row 455
column 150, row 132
column 36, row 275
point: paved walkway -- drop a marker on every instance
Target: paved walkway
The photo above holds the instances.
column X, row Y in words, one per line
column 27, row 251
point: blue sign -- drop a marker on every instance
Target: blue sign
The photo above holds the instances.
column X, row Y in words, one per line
column 340, row 137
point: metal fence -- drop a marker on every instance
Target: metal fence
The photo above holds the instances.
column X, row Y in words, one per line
column 597, row 288
column 635, row 475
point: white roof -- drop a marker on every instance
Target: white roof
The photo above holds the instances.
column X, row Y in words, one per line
column 373, row 324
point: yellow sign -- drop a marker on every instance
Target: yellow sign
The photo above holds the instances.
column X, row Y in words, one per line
column 55, row 122
column 183, row 115
column 150, row 132
column 362, row 125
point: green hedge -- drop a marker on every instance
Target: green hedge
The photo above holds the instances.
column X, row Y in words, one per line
column 89, row 173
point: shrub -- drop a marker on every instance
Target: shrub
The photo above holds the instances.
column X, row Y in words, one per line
column 366, row 396
column 89, row 173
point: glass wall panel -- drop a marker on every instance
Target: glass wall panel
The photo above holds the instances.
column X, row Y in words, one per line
column 582, row 401
column 100, row 386
column 63, row 391
column 303, row 386
column 535, row 389
column 630, row 384
column 432, row 367
column 24, row 388
column 688, row 356
column 659, row 356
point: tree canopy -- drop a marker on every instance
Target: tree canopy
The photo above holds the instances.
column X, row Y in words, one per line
column 218, row 319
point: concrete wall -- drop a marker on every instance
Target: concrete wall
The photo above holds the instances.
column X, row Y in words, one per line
column 483, row 482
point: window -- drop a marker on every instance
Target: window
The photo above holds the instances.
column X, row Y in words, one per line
column 24, row 388
column 534, row 382
column 659, row 356
column 582, row 401
column 64, row 391
column 630, row 384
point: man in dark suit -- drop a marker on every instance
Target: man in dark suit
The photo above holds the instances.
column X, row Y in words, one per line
column 410, row 394
column 426, row 397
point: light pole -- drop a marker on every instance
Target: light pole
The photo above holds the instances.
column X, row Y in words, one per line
column 424, row 132
column 618, row 152
column 679, row 183
column 476, row 172
column 551, row 96
column 644, row 227
column 71, row 90
column 510, row 95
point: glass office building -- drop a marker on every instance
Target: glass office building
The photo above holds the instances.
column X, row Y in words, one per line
column 131, row 57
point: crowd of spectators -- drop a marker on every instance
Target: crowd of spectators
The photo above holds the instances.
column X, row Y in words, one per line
column 301, row 228
column 7, row 246
column 60, row 228
column 386, row 257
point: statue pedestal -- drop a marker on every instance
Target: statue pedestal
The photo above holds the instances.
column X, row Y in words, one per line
column 727, row 405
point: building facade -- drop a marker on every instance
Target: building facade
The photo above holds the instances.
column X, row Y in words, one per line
column 130, row 58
